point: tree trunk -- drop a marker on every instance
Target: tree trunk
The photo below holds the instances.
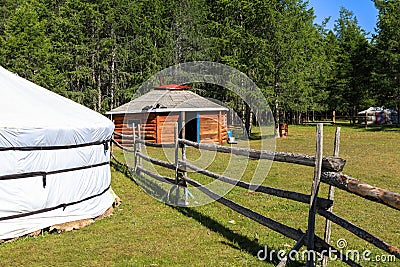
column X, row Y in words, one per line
column 94, row 80
column 247, row 120
column 112, row 86
column 99, row 92
column 277, row 122
column 299, row 118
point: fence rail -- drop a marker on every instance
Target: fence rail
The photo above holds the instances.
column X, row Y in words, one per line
column 328, row 163
column 295, row 234
column 328, row 171
column 322, row 203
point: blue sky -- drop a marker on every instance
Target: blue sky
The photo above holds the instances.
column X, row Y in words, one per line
column 364, row 10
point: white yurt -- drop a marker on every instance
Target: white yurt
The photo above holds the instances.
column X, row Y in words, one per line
column 54, row 159
column 378, row 115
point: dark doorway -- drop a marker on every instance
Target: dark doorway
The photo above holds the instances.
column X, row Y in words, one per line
column 191, row 127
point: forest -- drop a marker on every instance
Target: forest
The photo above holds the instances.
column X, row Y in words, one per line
column 98, row 52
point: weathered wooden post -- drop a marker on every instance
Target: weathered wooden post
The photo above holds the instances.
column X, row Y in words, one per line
column 134, row 147
column 176, row 139
column 184, row 173
column 331, row 196
column 176, row 147
column 313, row 200
column 139, row 144
column 296, row 247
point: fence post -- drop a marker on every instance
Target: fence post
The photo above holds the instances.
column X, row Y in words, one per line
column 185, row 189
column 176, row 137
column 331, row 196
column 176, row 150
column 296, row 248
column 134, row 147
column 313, row 200
column 139, row 145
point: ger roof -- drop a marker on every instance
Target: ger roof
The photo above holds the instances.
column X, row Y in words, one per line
column 34, row 116
column 168, row 98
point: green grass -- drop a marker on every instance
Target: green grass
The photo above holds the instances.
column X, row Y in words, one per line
column 146, row 232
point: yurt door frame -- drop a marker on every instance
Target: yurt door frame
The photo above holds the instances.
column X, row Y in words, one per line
column 192, row 126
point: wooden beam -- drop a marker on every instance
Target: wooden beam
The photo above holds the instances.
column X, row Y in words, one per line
column 296, row 248
column 314, row 194
column 158, row 177
column 283, row 229
column 122, row 147
column 146, row 143
column 322, row 203
column 352, row 185
column 158, row 129
column 161, row 163
column 379, row 243
column 328, row 163
column 331, row 194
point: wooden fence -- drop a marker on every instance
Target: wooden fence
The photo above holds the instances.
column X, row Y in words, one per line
column 327, row 169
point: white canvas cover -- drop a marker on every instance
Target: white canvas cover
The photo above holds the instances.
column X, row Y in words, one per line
column 379, row 115
column 54, row 158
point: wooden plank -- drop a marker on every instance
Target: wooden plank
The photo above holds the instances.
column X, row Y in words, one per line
column 121, row 125
column 331, row 195
column 219, row 129
column 171, row 118
column 295, row 248
column 379, row 243
column 161, row 163
column 135, row 145
column 158, row 177
column 328, row 163
column 212, row 132
column 314, row 194
column 355, row 186
column 158, row 131
column 120, row 146
column 322, row 203
column 276, row 226
column 270, row 223
column 176, row 162
column 139, row 146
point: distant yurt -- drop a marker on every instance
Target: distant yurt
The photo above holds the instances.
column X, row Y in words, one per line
column 158, row 111
column 54, row 159
column 378, row 115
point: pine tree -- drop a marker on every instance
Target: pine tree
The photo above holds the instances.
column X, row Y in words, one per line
column 353, row 68
column 387, row 43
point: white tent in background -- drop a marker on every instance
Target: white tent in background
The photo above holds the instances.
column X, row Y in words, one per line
column 378, row 115
column 54, row 159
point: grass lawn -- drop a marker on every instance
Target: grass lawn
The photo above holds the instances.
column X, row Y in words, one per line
column 146, row 232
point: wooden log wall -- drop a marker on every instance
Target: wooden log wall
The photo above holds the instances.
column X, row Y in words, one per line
column 165, row 127
column 159, row 127
column 148, row 126
column 213, row 127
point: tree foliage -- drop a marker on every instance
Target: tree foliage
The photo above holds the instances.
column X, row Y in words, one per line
column 98, row 52
column 387, row 51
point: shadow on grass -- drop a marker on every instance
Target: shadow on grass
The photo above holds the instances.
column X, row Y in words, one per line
column 258, row 136
column 382, row 128
column 234, row 240
column 243, row 242
column 122, row 169
column 147, row 185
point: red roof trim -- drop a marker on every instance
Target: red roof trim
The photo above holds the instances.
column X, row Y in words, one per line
column 172, row 86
